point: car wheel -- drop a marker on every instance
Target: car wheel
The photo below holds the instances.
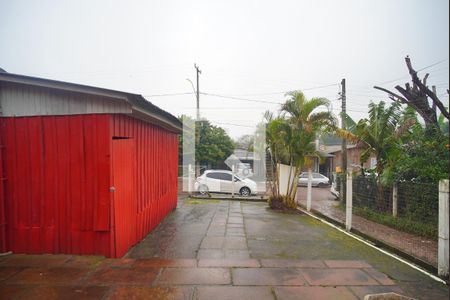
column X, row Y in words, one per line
column 245, row 191
column 321, row 184
column 203, row 189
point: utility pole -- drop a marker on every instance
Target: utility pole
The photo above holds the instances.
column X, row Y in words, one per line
column 197, row 122
column 343, row 191
column 198, row 91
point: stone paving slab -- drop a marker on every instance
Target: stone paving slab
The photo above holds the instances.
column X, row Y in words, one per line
column 165, row 263
column 335, row 277
column 380, row 277
column 153, row 293
column 314, row 293
column 347, row 264
column 183, row 278
column 234, row 293
column 33, row 275
column 268, row 276
column 66, row 292
column 278, row 256
column 12, row 291
column 7, row 272
column 135, row 276
column 197, row 276
column 45, row 260
column 361, row 291
column 231, row 263
column 291, row 263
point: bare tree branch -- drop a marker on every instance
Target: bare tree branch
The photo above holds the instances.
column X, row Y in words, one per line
column 425, row 89
column 417, row 103
column 394, row 95
column 417, row 96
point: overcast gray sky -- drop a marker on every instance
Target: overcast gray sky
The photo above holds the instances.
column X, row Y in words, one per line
column 246, row 49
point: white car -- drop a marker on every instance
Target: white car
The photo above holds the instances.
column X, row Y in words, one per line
column 317, row 179
column 220, row 181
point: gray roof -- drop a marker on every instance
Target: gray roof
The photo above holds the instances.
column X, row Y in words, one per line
column 336, row 148
column 243, row 154
column 141, row 107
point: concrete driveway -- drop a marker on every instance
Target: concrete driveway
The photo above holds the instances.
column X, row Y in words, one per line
column 217, row 250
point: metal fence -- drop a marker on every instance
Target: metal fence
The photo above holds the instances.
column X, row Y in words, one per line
column 404, row 216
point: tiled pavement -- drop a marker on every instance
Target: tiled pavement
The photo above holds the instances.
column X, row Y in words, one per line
column 221, row 250
column 67, row 277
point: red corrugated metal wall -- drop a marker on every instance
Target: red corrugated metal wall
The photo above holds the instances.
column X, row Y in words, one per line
column 57, row 180
column 156, row 170
column 124, row 199
column 2, row 200
column 58, row 172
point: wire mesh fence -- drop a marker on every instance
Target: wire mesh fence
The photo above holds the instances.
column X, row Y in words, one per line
column 405, row 215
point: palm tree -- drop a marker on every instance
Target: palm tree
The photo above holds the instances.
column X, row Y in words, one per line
column 303, row 122
column 275, row 138
column 379, row 135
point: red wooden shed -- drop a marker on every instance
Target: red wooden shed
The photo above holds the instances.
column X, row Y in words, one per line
column 84, row 170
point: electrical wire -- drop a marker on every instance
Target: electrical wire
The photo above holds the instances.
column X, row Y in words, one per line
column 284, row 92
column 238, row 98
column 232, row 124
column 421, row 69
column 171, row 94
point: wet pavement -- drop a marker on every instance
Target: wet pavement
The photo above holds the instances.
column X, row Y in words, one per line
column 420, row 247
column 210, row 249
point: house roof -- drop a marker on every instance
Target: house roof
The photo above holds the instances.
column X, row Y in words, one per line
column 141, row 107
column 243, row 154
column 336, row 148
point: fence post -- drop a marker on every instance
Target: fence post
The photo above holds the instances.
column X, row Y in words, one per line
column 309, row 192
column 394, row 199
column 349, row 200
column 232, row 181
column 443, row 247
column 189, row 179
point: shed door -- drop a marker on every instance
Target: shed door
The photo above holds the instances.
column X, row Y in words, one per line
column 124, row 191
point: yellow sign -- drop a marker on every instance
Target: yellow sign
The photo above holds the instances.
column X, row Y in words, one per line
column 338, row 169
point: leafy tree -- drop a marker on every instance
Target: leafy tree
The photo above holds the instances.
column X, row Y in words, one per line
column 379, row 135
column 424, row 152
column 425, row 159
column 214, row 144
column 414, row 152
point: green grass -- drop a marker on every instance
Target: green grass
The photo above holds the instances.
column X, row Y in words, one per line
column 201, row 201
column 403, row 224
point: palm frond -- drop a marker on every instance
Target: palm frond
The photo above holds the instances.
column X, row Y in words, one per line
column 344, row 134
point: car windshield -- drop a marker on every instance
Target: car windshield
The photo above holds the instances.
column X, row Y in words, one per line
column 238, row 177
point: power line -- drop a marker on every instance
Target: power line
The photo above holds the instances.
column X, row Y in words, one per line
column 284, row 92
column 232, row 124
column 238, row 98
column 171, row 94
column 421, row 69
column 244, row 99
column 262, row 108
column 432, row 65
